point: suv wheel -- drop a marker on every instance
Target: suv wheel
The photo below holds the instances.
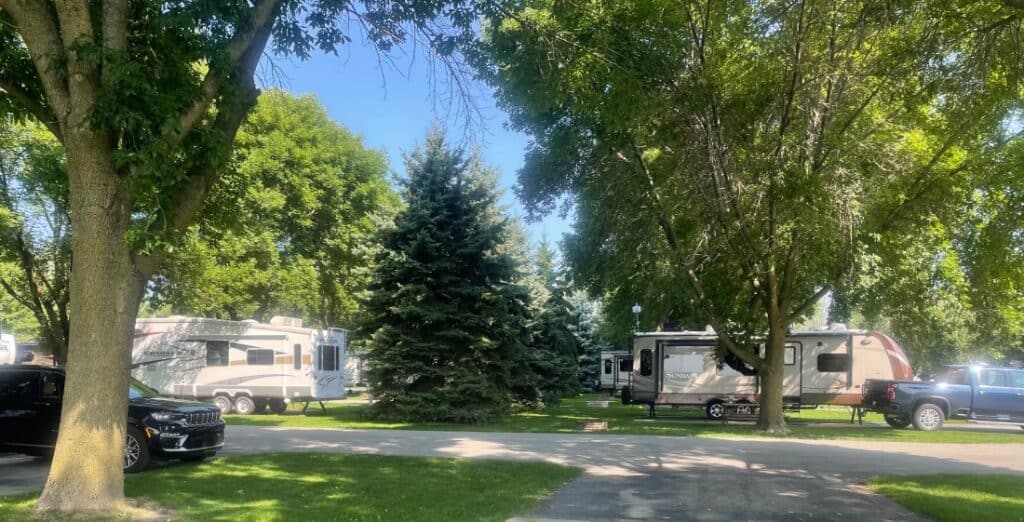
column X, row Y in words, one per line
column 223, row 404
column 244, row 405
column 928, row 417
column 136, row 451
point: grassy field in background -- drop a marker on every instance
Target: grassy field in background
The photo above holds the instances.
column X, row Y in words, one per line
column 822, row 423
column 311, row 487
column 957, row 497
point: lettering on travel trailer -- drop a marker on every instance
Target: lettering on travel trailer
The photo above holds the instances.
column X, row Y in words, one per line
column 243, row 366
column 616, row 365
column 820, row 367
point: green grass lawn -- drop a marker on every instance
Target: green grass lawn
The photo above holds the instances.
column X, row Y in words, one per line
column 822, row 423
column 307, row 487
column 957, row 497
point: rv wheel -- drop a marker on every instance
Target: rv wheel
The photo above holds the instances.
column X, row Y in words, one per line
column 223, row 404
column 244, row 405
column 715, row 410
column 278, row 406
column 747, row 409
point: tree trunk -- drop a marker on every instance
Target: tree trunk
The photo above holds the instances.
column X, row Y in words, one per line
column 86, row 474
column 771, row 417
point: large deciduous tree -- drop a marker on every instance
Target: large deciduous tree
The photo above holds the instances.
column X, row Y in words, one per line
column 146, row 97
column 446, row 318
column 290, row 227
column 749, row 149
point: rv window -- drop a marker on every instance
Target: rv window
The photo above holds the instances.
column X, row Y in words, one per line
column 626, row 365
column 261, row 357
column 327, row 356
column 646, row 363
column 789, row 356
column 297, row 357
column 216, row 353
column 607, row 366
column 833, row 362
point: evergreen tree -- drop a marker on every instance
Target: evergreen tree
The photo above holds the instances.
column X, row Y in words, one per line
column 586, row 321
column 556, row 348
column 446, row 321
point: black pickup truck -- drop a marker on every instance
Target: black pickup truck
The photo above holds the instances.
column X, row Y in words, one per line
column 977, row 393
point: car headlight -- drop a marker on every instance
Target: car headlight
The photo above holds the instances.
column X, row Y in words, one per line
column 163, row 416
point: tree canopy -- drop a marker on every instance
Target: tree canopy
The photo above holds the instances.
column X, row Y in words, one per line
column 290, row 229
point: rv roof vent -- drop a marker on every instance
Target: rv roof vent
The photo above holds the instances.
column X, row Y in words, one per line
column 282, row 320
column 837, row 326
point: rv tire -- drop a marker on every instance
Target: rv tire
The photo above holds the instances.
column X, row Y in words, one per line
column 897, row 421
column 715, row 409
column 261, row 406
column 223, row 403
column 624, row 395
column 277, row 406
column 244, row 405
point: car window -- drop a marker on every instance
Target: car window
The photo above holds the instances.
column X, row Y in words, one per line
column 993, row 378
column 18, row 385
column 954, row 376
column 1017, row 378
column 51, row 385
column 137, row 390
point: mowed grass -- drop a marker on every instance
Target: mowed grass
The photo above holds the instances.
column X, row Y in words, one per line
column 311, row 487
column 957, row 497
column 823, row 423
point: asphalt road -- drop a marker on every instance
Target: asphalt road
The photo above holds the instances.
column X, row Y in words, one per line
column 651, row 477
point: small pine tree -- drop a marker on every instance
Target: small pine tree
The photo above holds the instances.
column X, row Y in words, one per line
column 446, row 322
column 586, row 322
column 557, row 349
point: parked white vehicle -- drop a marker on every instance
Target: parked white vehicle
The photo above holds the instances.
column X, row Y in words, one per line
column 241, row 366
column 8, row 350
column 616, row 365
column 821, row 367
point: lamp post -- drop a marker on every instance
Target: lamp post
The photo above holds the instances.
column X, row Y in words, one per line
column 636, row 314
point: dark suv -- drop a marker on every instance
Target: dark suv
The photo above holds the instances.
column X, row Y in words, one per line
column 161, row 428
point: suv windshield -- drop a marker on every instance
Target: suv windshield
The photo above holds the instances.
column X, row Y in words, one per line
column 137, row 390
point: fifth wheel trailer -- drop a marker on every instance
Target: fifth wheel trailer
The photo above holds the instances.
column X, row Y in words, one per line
column 820, row 367
column 241, row 366
column 616, row 366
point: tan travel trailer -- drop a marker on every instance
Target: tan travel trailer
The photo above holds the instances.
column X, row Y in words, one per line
column 241, row 366
column 616, row 365
column 821, row 367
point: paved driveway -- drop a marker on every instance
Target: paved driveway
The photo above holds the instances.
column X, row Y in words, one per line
column 670, row 478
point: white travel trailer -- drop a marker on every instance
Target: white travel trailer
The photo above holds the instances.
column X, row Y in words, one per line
column 355, row 367
column 616, row 366
column 820, row 367
column 8, row 350
column 241, row 366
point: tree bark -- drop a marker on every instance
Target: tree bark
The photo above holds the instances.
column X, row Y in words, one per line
column 105, row 292
column 771, row 417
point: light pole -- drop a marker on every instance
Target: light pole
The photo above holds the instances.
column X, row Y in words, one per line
column 636, row 314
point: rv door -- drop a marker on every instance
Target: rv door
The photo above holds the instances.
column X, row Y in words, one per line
column 328, row 366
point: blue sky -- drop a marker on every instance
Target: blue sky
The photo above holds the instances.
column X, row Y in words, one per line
column 394, row 107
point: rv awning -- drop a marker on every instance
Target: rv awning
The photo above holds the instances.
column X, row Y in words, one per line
column 264, row 337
